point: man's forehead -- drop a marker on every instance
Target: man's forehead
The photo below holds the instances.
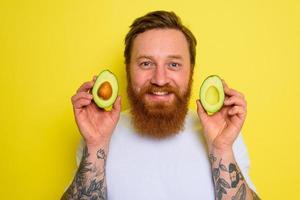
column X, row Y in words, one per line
column 167, row 43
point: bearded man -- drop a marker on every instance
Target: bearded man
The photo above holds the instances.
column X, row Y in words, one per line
column 159, row 149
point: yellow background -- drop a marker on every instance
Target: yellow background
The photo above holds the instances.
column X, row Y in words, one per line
column 48, row 48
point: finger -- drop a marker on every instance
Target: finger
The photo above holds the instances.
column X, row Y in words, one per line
column 224, row 83
column 81, row 95
column 85, row 86
column 224, row 110
column 237, row 110
column 225, row 86
column 93, row 107
column 235, row 100
column 93, row 82
column 231, row 92
column 94, row 78
column 117, row 105
column 81, row 103
column 200, row 110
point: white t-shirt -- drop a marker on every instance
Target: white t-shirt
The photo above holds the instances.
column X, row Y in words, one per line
column 139, row 168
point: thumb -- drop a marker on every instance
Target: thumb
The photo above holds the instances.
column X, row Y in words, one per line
column 117, row 106
column 200, row 110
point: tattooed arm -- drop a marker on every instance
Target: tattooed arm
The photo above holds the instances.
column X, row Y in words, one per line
column 89, row 181
column 96, row 127
column 228, row 180
column 221, row 130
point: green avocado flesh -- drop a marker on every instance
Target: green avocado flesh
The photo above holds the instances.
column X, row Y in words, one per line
column 212, row 94
column 105, row 89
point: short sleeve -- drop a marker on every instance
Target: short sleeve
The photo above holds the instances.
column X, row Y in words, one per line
column 242, row 159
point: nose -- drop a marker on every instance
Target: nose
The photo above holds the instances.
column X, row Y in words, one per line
column 159, row 76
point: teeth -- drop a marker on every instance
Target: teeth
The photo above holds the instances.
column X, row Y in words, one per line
column 160, row 93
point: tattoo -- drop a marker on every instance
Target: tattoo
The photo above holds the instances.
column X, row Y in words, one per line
column 212, row 158
column 235, row 175
column 220, row 183
column 101, row 154
column 241, row 193
column 222, row 187
column 88, row 182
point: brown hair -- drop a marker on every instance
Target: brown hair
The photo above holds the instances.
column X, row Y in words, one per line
column 158, row 20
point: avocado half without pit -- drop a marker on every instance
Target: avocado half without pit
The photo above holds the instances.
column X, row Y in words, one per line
column 212, row 94
column 105, row 89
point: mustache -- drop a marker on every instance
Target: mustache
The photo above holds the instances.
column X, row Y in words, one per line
column 150, row 89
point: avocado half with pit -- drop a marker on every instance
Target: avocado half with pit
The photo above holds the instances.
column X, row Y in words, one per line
column 105, row 89
column 212, row 94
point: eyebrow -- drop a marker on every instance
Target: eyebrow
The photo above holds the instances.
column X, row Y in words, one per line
column 176, row 57
column 144, row 56
column 179, row 57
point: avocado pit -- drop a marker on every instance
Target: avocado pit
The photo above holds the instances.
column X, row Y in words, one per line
column 105, row 90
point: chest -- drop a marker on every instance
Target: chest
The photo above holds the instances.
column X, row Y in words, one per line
column 174, row 169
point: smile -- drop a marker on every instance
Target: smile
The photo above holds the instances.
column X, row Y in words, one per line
column 160, row 96
column 160, row 93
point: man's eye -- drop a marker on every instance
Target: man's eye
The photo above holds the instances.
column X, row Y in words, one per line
column 174, row 65
column 146, row 64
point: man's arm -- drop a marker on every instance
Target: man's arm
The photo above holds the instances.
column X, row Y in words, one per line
column 96, row 127
column 228, row 179
column 221, row 130
column 89, row 181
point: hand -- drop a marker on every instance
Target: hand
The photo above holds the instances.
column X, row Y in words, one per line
column 95, row 124
column 222, row 128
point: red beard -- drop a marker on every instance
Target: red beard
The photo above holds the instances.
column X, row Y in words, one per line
column 158, row 119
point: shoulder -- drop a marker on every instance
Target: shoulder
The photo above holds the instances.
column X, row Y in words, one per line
column 124, row 124
column 125, row 118
column 124, row 130
column 192, row 122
